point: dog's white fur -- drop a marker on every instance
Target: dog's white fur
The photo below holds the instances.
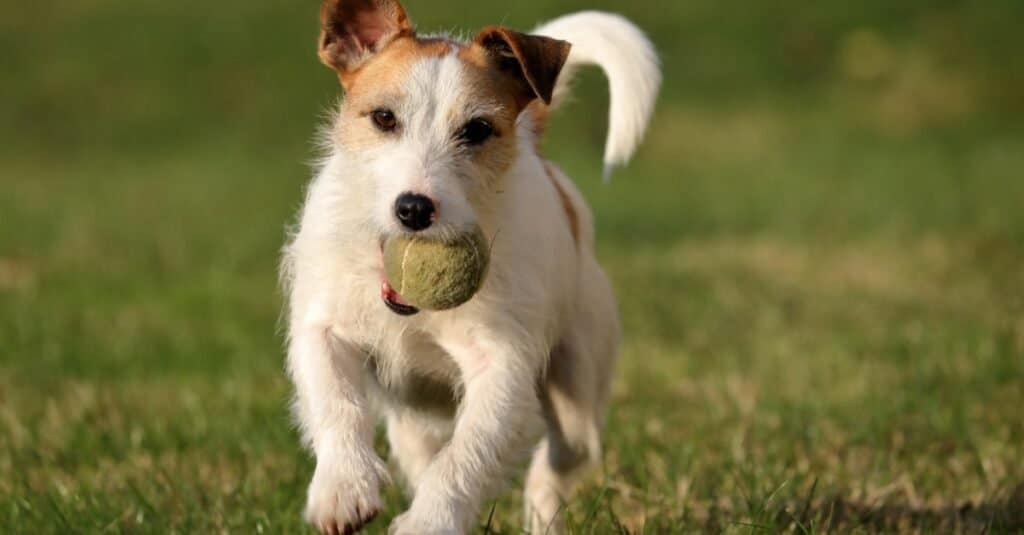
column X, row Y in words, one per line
column 534, row 348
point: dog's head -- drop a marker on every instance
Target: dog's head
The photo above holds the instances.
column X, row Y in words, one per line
column 429, row 124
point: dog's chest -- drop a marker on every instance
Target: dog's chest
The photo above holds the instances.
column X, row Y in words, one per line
column 405, row 367
column 414, row 374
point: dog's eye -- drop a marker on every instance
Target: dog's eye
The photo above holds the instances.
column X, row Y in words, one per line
column 384, row 120
column 476, row 132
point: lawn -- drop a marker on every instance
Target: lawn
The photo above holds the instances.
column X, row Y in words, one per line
column 819, row 254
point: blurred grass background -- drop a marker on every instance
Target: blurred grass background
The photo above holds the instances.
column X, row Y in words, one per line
column 819, row 254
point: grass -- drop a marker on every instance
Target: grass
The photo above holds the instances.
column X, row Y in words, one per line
column 819, row 255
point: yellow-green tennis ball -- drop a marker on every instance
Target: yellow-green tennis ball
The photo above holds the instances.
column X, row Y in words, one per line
column 434, row 274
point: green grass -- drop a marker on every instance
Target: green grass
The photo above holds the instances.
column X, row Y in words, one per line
column 819, row 255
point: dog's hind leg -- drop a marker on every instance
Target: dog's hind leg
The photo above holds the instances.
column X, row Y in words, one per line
column 573, row 404
column 572, row 443
column 573, row 396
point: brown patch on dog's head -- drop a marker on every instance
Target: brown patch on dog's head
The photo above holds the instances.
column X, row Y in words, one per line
column 531, row 62
column 485, row 83
column 352, row 31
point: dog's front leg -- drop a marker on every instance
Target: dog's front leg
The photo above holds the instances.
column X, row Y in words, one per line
column 332, row 411
column 497, row 413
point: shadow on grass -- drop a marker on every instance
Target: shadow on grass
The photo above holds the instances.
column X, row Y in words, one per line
column 838, row 514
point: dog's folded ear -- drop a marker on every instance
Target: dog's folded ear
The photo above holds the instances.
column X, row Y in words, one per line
column 351, row 31
column 533, row 60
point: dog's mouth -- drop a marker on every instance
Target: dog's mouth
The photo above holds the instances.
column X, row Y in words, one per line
column 394, row 301
column 391, row 298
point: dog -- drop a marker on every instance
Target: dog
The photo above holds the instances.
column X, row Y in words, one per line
column 435, row 135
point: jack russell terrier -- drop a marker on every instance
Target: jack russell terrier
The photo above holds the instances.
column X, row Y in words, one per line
column 435, row 135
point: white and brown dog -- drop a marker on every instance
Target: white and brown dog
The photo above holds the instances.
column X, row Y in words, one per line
column 436, row 135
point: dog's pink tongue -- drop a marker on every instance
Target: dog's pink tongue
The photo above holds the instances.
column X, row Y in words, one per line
column 389, row 293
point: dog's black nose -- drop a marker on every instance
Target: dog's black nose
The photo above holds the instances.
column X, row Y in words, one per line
column 415, row 211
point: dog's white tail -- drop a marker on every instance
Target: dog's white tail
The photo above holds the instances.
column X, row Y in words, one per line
column 628, row 59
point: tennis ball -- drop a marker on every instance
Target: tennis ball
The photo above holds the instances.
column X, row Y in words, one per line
column 433, row 274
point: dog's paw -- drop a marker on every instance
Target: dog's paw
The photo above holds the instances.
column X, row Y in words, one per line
column 342, row 501
column 444, row 520
column 410, row 524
